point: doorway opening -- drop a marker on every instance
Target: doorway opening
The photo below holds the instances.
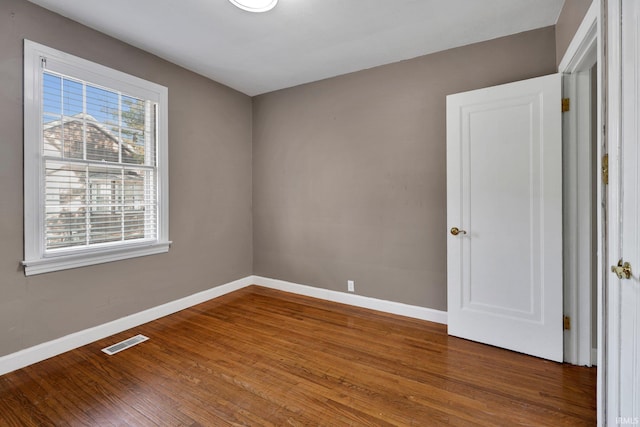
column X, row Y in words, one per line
column 583, row 201
column 580, row 214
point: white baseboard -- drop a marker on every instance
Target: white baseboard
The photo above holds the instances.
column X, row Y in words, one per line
column 356, row 300
column 43, row 351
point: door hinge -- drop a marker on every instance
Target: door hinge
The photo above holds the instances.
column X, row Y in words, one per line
column 605, row 169
column 566, row 323
column 566, row 104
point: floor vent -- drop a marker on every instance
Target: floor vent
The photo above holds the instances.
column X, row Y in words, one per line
column 123, row 345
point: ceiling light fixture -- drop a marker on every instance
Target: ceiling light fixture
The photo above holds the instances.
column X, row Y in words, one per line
column 255, row 5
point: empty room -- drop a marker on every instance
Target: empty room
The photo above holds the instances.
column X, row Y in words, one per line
column 319, row 212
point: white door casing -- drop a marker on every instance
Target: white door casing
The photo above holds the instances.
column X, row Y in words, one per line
column 585, row 50
column 504, row 188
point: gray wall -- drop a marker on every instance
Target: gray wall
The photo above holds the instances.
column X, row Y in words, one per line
column 569, row 20
column 349, row 173
column 348, row 177
column 210, row 192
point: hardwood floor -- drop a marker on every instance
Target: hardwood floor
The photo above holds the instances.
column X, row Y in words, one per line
column 263, row 357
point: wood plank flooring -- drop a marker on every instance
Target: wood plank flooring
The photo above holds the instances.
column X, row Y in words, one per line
column 260, row 357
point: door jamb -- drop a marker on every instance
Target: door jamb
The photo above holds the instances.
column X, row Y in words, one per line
column 579, row 239
column 585, row 49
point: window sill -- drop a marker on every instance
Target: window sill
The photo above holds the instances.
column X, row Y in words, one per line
column 65, row 262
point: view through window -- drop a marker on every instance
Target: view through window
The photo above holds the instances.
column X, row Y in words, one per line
column 99, row 150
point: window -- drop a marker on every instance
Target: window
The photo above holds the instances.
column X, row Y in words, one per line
column 95, row 154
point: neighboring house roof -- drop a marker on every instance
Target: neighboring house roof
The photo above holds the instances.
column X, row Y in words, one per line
column 66, row 136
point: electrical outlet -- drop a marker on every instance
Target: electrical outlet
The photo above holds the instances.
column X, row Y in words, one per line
column 351, row 286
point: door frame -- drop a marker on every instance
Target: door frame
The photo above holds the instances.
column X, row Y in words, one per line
column 581, row 55
column 585, row 49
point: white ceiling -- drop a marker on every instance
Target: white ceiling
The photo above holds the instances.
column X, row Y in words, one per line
column 301, row 41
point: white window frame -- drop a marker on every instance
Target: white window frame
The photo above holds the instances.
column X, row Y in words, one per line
column 36, row 259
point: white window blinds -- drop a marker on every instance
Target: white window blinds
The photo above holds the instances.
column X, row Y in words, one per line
column 99, row 150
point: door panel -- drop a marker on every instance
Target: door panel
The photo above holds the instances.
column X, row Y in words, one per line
column 623, row 335
column 504, row 188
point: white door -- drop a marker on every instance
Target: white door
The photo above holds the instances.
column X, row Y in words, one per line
column 623, row 294
column 504, row 194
